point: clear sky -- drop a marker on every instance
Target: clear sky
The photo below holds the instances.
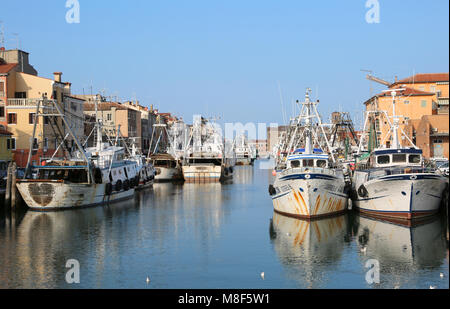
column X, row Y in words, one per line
column 225, row 58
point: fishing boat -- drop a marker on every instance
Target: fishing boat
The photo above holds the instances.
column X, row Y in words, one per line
column 163, row 153
column 91, row 176
column 394, row 183
column 206, row 161
column 244, row 153
column 308, row 187
column 166, row 166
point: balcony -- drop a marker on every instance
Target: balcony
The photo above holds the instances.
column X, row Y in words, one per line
column 26, row 103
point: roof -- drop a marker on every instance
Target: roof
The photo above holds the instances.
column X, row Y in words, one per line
column 407, row 92
column 5, row 68
column 424, row 78
column 4, row 132
column 103, row 106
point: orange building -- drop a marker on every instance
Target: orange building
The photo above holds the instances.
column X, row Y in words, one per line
column 422, row 95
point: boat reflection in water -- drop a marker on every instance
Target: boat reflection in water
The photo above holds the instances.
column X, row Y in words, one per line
column 309, row 249
column 403, row 251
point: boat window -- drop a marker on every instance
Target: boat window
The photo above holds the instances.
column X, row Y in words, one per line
column 414, row 159
column 383, row 160
column 295, row 163
column 399, row 158
column 321, row 163
column 307, row 163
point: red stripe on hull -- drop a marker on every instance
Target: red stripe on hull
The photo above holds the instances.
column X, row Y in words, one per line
column 397, row 215
column 313, row 217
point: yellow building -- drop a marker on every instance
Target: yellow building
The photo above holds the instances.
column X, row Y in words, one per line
column 422, row 95
column 23, row 91
column 5, row 140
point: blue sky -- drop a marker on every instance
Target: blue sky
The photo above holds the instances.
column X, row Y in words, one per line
column 225, row 58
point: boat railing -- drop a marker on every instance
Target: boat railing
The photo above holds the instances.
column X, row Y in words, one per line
column 312, row 170
column 373, row 174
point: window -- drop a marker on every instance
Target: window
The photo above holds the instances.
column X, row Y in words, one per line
column 423, row 103
column 308, row 163
column 383, row 160
column 414, row 159
column 406, row 102
column 321, row 163
column 11, row 143
column 2, row 89
column 31, row 118
column 2, row 112
column 295, row 163
column 109, row 117
column 399, row 158
column 20, row 95
column 422, row 88
column 432, row 88
column 12, row 118
column 35, row 144
column 46, row 142
column 46, row 119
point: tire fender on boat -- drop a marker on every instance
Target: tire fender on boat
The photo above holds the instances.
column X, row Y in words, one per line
column 118, row 185
column 272, row 190
column 362, row 191
column 108, row 188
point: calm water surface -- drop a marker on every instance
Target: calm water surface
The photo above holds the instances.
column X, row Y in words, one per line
column 215, row 236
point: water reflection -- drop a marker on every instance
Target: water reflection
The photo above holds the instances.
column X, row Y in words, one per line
column 403, row 251
column 309, row 249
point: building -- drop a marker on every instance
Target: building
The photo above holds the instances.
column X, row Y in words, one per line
column 273, row 137
column 421, row 95
column 116, row 117
column 21, row 90
column 260, row 145
column 5, row 148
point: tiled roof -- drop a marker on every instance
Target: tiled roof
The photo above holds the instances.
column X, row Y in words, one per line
column 406, row 92
column 5, row 68
column 424, row 78
column 103, row 106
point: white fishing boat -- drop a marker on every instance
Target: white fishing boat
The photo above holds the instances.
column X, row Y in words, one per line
column 206, row 159
column 394, row 183
column 163, row 155
column 244, row 153
column 166, row 166
column 308, row 187
column 90, row 177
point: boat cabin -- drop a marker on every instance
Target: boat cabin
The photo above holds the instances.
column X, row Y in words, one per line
column 396, row 157
column 313, row 160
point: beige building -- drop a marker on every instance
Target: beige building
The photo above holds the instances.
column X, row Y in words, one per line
column 22, row 89
column 423, row 101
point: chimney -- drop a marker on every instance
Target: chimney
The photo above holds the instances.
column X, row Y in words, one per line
column 396, row 78
column 57, row 76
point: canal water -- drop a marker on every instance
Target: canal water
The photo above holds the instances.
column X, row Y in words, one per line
column 216, row 236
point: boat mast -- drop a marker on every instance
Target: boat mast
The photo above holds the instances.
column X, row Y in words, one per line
column 99, row 129
column 308, row 148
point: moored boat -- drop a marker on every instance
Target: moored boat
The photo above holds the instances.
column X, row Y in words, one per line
column 395, row 184
column 308, row 187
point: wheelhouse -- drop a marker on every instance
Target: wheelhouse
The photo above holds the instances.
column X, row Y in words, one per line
column 300, row 161
column 395, row 157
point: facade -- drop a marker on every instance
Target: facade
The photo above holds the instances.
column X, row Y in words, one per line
column 114, row 115
column 260, row 145
column 20, row 91
column 423, row 95
column 5, row 149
